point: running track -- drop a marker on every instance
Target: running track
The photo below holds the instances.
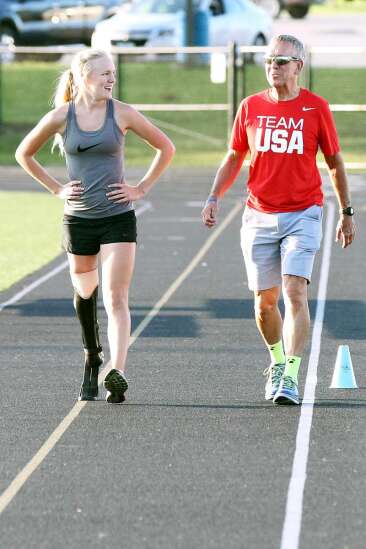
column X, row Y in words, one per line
column 195, row 458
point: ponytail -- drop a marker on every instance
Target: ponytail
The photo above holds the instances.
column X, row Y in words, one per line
column 64, row 89
column 70, row 80
column 64, row 93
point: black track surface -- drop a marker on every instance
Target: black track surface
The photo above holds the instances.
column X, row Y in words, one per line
column 195, row 458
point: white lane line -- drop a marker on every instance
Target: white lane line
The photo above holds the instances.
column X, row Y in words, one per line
column 33, row 285
column 187, row 271
column 7, row 496
column 293, row 517
column 144, row 206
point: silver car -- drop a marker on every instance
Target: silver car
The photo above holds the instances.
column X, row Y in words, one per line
column 162, row 23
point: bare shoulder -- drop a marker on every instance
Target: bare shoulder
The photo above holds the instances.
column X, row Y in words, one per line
column 51, row 123
column 121, row 108
column 124, row 114
column 57, row 117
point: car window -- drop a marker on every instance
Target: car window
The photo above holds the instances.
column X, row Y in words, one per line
column 234, row 6
column 216, row 7
column 158, row 6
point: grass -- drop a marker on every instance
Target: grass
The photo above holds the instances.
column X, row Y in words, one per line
column 30, row 233
column 28, row 86
column 332, row 7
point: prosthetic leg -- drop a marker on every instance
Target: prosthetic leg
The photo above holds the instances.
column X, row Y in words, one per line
column 86, row 311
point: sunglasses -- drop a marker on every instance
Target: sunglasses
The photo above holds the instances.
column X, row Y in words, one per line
column 280, row 59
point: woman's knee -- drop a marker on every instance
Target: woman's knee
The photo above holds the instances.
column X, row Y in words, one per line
column 85, row 282
column 116, row 302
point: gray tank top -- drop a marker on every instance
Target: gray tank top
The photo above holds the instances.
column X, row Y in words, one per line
column 96, row 159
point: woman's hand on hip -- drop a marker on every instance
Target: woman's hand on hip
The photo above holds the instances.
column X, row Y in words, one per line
column 121, row 192
column 71, row 191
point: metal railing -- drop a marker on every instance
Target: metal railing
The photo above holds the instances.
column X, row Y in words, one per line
column 237, row 57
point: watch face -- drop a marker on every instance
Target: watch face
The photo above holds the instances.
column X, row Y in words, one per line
column 348, row 211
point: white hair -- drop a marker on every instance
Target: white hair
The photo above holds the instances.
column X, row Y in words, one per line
column 298, row 45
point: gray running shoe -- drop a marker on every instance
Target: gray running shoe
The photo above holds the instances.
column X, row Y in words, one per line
column 274, row 374
column 116, row 386
column 288, row 392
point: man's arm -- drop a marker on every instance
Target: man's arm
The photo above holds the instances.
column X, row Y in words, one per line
column 225, row 177
column 345, row 228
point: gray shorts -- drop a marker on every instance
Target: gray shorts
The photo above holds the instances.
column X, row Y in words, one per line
column 277, row 244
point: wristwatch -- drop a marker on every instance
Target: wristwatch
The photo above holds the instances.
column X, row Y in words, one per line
column 347, row 211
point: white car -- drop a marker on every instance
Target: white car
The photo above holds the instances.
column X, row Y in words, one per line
column 162, row 23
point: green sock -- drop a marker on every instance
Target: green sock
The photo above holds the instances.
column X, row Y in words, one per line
column 292, row 367
column 277, row 353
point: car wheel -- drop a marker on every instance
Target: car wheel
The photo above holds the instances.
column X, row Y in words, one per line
column 8, row 35
column 299, row 11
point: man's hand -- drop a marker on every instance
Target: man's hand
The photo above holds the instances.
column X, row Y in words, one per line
column 209, row 212
column 345, row 231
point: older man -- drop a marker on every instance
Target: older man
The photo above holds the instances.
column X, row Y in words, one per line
column 282, row 128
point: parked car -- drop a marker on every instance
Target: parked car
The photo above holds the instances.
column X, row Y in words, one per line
column 296, row 8
column 36, row 22
column 162, row 23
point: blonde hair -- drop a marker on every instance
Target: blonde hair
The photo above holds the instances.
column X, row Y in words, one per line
column 67, row 85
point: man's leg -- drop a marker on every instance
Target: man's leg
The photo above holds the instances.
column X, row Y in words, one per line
column 298, row 248
column 267, row 314
column 260, row 242
column 269, row 322
column 297, row 318
column 295, row 333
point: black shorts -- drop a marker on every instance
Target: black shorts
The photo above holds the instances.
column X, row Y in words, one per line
column 83, row 236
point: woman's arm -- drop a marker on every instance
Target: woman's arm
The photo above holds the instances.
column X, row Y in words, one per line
column 52, row 123
column 130, row 119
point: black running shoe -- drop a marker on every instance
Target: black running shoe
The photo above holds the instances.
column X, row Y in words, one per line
column 89, row 387
column 116, row 386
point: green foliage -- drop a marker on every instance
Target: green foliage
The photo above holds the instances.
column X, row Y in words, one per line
column 339, row 7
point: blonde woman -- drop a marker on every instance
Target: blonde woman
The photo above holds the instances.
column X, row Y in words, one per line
column 99, row 219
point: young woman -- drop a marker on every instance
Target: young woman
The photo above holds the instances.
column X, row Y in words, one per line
column 99, row 219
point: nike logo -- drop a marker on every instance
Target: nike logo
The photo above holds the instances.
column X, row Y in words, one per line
column 308, row 108
column 83, row 149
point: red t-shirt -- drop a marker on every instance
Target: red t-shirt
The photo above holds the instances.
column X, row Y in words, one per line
column 283, row 138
